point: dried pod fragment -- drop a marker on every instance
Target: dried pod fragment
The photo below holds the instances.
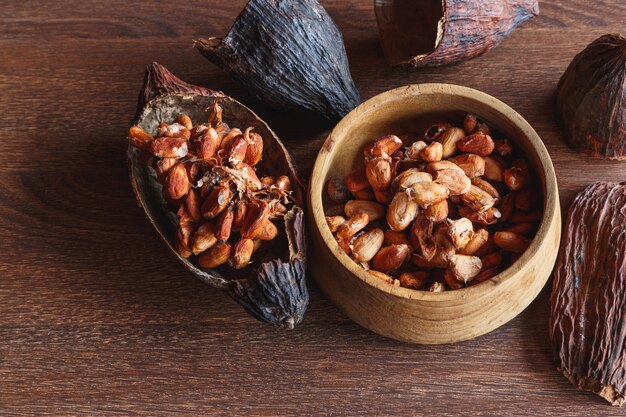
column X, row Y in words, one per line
column 431, row 33
column 273, row 291
column 587, row 325
column 590, row 99
column 316, row 78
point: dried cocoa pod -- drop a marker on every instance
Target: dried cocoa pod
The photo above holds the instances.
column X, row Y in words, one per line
column 274, row 290
column 299, row 61
column 587, row 322
column 433, row 33
column 590, row 99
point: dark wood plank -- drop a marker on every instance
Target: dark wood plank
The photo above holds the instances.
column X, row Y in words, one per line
column 97, row 318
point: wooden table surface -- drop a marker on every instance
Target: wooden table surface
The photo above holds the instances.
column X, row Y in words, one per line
column 96, row 317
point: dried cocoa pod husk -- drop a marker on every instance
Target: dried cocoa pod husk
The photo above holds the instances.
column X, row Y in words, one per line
column 299, row 62
column 431, row 33
column 273, row 290
column 588, row 320
column 590, row 99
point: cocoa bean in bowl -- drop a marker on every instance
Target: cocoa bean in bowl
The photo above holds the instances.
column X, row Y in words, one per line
column 435, row 214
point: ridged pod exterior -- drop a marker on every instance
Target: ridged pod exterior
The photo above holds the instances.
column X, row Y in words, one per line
column 464, row 29
column 591, row 99
column 588, row 302
column 289, row 54
column 274, row 292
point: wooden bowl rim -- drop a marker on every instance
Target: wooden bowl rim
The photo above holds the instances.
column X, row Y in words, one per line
column 325, row 156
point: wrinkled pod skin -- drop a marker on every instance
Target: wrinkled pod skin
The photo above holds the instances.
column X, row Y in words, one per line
column 591, row 99
column 289, row 54
column 588, row 301
column 276, row 292
column 432, row 33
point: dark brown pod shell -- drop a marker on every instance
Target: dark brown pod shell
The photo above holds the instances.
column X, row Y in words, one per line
column 273, row 290
column 289, row 54
column 427, row 33
column 588, row 302
column 591, row 99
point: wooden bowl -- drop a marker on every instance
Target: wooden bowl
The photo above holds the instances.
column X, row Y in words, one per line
column 421, row 316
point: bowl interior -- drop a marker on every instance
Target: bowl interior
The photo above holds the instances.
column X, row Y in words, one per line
column 413, row 109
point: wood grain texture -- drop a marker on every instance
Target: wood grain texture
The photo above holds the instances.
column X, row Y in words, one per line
column 97, row 318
